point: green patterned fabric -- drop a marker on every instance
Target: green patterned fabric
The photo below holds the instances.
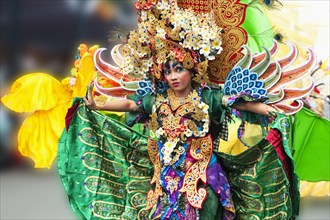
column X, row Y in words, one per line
column 106, row 171
column 282, row 123
column 212, row 209
column 259, row 184
column 104, row 166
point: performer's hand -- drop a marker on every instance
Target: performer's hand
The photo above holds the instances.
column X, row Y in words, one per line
column 259, row 108
column 271, row 112
column 89, row 101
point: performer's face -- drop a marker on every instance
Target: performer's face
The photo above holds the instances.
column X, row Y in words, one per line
column 178, row 78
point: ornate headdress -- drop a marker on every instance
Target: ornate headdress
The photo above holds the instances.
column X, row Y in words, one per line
column 204, row 36
column 229, row 15
column 166, row 31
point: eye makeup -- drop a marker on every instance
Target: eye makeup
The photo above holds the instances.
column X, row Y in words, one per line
column 173, row 66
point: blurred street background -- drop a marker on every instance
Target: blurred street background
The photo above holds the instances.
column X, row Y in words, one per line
column 43, row 36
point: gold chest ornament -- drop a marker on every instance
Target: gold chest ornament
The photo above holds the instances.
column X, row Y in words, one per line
column 176, row 119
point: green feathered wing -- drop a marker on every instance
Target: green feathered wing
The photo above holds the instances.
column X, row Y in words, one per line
column 258, row 26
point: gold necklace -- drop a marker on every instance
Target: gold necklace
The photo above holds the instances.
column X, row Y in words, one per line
column 175, row 101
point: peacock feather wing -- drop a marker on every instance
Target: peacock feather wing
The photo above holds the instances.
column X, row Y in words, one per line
column 244, row 81
column 273, row 75
column 292, row 94
column 296, row 73
column 273, row 79
column 112, row 82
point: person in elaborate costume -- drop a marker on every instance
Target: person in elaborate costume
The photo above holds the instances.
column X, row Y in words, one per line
column 177, row 167
column 106, row 166
column 180, row 119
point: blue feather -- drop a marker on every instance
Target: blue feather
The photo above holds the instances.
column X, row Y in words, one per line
column 239, row 81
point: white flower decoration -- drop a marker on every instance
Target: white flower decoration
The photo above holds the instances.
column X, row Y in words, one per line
column 205, row 50
column 200, row 44
column 160, row 5
column 213, row 35
column 205, row 29
column 206, row 127
column 188, row 132
column 142, row 53
column 127, row 60
column 204, row 107
column 160, row 132
column 144, row 15
column 170, row 145
column 167, row 150
column 161, row 33
column 216, row 44
column 167, row 160
column 182, row 34
column 202, row 133
column 145, row 68
column 128, row 69
column 166, row 6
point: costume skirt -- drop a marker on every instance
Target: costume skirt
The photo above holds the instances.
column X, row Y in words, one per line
column 106, row 171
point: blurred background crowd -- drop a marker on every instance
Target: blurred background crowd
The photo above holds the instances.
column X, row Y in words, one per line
column 43, row 36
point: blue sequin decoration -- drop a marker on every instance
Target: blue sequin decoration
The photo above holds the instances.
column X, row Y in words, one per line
column 244, row 81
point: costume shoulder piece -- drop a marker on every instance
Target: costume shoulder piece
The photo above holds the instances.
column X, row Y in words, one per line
column 262, row 77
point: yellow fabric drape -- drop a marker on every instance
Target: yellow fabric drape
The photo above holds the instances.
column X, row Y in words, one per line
column 47, row 100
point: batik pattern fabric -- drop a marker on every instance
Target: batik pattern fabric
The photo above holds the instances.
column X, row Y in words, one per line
column 104, row 166
column 262, row 180
column 113, row 172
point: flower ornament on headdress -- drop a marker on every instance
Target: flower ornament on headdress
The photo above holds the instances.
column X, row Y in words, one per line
column 165, row 32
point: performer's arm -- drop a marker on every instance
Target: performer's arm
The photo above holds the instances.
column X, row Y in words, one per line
column 121, row 105
column 256, row 107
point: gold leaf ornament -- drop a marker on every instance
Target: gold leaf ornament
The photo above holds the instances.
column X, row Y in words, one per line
column 156, row 72
column 202, row 67
column 188, row 61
